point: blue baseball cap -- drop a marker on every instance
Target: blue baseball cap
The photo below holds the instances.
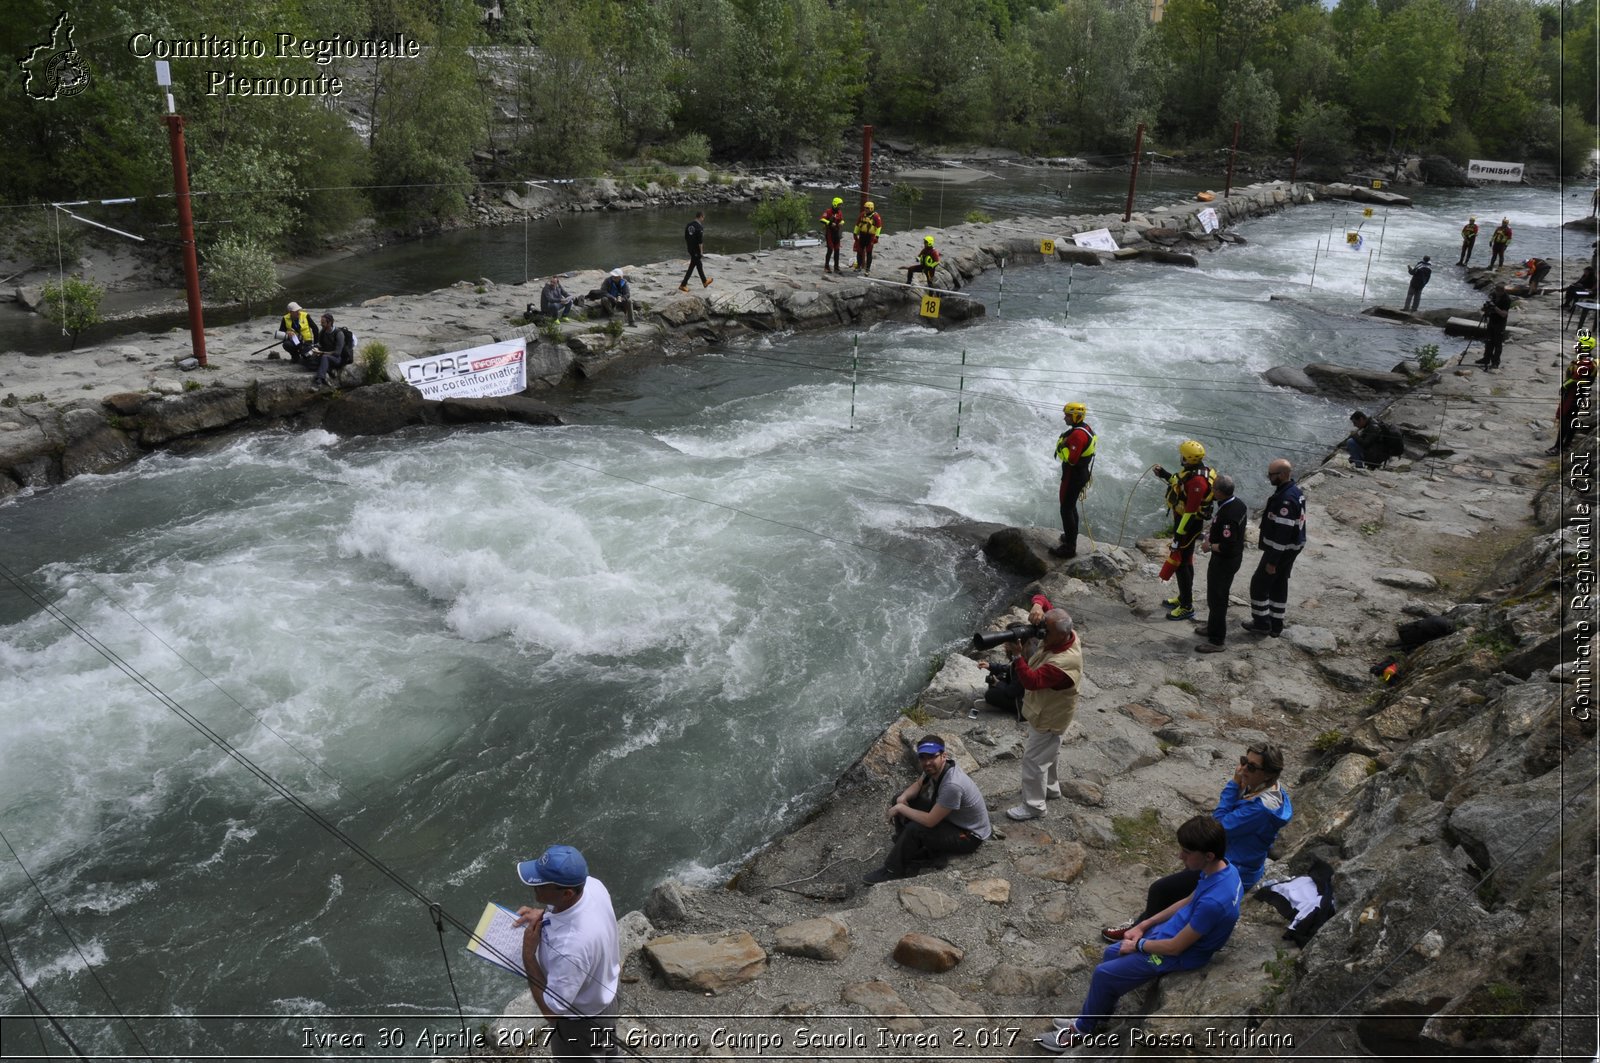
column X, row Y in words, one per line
column 561, row 865
column 930, row 746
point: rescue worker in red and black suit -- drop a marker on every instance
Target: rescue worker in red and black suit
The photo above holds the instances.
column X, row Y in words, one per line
column 1075, row 452
column 1283, row 536
column 832, row 235
column 868, row 227
column 927, row 262
column 1580, row 378
column 1189, row 501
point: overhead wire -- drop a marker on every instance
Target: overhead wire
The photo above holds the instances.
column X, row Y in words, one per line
column 10, row 956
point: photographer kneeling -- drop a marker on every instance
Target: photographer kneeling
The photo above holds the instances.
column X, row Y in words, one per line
column 942, row 813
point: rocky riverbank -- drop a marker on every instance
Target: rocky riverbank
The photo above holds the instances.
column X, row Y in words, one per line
column 98, row 408
column 1455, row 802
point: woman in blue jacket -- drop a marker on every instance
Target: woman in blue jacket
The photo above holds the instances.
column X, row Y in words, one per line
column 1253, row 808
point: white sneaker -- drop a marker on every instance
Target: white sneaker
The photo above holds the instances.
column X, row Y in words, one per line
column 1023, row 813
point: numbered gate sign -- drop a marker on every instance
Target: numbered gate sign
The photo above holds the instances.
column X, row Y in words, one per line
column 1367, row 213
column 1047, row 247
column 930, row 306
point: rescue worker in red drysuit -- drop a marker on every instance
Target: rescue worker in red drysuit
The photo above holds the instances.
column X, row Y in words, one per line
column 1189, row 497
column 869, row 226
column 1580, row 378
column 1075, row 452
column 832, row 235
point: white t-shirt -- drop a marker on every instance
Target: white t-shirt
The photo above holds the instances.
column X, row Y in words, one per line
column 579, row 952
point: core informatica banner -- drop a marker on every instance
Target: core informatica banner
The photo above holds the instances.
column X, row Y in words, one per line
column 475, row 373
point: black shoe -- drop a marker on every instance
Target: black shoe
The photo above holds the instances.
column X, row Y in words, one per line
column 1063, row 552
column 1209, row 647
column 882, row 874
column 1254, row 629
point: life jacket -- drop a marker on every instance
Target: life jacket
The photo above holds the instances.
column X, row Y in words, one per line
column 305, row 329
column 1501, row 236
column 1189, row 496
column 833, row 220
column 929, row 258
column 1064, row 452
column 1470, row 229
column 1580, row 368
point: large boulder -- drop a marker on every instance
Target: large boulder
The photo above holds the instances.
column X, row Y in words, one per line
column 925, row 952
column 707, row 963
column 1344, row 378
column 823, row 938
column 1011, row 550
column 191, row 413
column 375, row 411
column 500, row 408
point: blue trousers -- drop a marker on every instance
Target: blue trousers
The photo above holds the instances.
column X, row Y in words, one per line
column 1117, row 975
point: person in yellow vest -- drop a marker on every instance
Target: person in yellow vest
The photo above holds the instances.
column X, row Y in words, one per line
column 1050, row 678
column 832, row 235
column 1469, row 236
column 298, row 333
column 868, row 227
column 1075, row 452
column 1499, row 240
column 1189, row 497
column 927, row 262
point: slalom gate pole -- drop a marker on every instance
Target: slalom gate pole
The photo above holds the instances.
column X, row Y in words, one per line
column 855, row 359
column 961, row 396
column 1001, row 299
column 1314, row 254
column 1365, row 275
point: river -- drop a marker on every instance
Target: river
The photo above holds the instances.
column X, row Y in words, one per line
column 658, row 633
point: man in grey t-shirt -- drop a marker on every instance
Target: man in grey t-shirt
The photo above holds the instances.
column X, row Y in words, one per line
column 940, row 814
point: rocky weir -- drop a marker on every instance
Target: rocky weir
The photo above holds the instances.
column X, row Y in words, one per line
column 1455, row 802
column 100, row 408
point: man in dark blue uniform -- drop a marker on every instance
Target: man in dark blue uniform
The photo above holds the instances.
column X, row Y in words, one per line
column 1225, row 543
column 1283, row 536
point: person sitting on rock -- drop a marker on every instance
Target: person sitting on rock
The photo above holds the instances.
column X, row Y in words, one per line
column 298, row 333
column 1182, row 937
column 1253, row 808
column 331, row 351
column 1372, row 442
column 941, row 814
column 1581, row 288
column 615, row 293
column 554, row 302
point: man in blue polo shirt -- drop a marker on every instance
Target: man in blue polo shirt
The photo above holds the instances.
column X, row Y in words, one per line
column 1181, row 937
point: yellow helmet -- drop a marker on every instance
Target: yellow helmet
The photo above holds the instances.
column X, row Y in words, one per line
column 871, row 205
column 928, row 240
column 1585, row 343
column 1075, row 411
column 838, row 202
column 1191, row 452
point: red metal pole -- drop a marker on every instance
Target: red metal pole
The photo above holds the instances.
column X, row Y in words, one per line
column 1133, row 178
column 1228, row 188
column 1295, row 169
column 191, row 261
column 866, row 163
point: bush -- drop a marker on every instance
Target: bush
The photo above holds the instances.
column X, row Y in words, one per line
column 692, row 149
column 905, row 195
column 47, row 244
column 374, row 358
column 978, row 217
column 240, row 269
column 783, row 216
column 73, row 305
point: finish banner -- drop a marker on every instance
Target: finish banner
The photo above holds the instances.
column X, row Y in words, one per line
column 475, row 373
column 1487, row 170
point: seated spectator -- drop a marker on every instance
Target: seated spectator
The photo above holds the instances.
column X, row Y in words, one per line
column 1253, row 808
column 1582, row 288
column 1373, row 442
column 298, row 333
column 331, row 349
column 942, row 813
column 615, row 293
column 1182, row 937
column 554, row 300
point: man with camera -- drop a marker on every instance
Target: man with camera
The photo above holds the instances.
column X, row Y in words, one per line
column 1050, row 680
column 1496, row 312
column 1003, row 689
column 940, row 814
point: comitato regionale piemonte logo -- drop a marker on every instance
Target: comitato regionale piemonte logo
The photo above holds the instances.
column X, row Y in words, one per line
column 54, row 68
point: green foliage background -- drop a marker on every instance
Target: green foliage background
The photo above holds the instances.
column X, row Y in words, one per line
column 572, row 87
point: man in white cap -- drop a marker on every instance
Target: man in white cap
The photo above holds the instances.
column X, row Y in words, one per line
column 298, row 332
column 614, row 292
column 570, row 951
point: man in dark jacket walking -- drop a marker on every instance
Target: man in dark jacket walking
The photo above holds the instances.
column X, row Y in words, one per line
column 694, row 237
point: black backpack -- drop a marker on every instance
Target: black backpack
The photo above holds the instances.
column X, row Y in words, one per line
column 349, row 347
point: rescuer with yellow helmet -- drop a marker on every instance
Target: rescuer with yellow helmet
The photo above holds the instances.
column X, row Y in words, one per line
column 869, row 226
column 927, row 261
column 832, row 235
column 1189, row 496
column 1579, row 383
column 1075, row 452
column 1469, row 236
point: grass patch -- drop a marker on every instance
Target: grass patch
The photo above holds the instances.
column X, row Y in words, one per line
column 1280, row 970
column 1143, row 837
column 192, row 385
column 1495, row 641
column 1490, row 1000
column 916, row 714
column 978, row 217
column 1327, row 741
column 1371, row 528
column 1185, row 686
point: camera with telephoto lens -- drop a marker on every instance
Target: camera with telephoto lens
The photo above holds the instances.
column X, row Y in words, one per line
column 988, row 640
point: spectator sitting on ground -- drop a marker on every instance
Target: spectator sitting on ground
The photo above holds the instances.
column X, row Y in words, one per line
column 1582, row 288
column 940, row 814
column 554, row 301
column 1373, row 442
column 1182, row 937
column 614, row 293
column 1253, row 808
column 330, row 349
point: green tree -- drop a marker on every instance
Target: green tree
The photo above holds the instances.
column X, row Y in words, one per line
column 1324, row 129
column 240, row 269
column 73, row 305
column 1500, row 79
column 907, row 195
column 1405, row 67
column 1253, row 103
column 782, row 216
column 1086, row 93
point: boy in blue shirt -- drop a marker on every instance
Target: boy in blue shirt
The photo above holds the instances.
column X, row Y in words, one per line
column 1181, row 937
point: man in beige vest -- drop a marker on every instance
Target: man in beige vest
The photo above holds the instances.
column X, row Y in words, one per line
column 1050, row 681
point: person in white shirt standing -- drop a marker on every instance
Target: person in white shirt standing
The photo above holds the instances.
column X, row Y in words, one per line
column 570, row 951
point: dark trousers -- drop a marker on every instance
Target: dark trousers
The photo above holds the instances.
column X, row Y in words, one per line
column 1072, row 484
column 694, row 264
column 1168, row 890
column 914, row 843
column 1497, row 255
column 831, row 255
column 912, row 271
column 1494, row 341
column 1219, row 581
column 594, row 1038
column 1413, row 298
column 1466, row 250
column 1269, row 592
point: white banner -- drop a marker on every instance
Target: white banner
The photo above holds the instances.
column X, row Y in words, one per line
column 1099, row 239
column 475, row 373
column 1488, row 170
column 1208, row 219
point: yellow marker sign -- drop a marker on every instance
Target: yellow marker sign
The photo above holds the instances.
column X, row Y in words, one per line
column 1352, row 238
column 1377, row 184
column 1367, row 213
column 1047, row 247
column 930, row 306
